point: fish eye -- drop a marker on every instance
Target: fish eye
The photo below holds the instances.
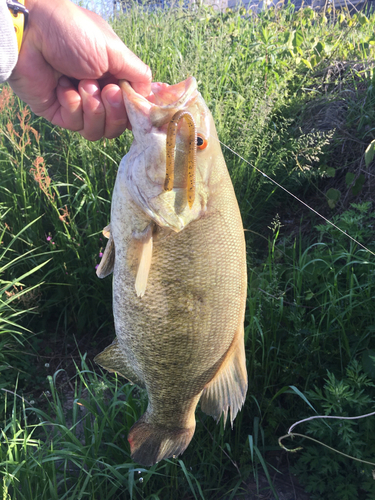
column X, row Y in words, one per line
column 202, row 142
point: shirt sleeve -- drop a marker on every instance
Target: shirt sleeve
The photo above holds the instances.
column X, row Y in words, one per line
column 8, row 43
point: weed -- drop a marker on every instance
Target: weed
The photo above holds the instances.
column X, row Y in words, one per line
column 348, row 479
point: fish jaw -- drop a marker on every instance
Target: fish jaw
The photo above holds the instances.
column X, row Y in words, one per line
column 145, row 165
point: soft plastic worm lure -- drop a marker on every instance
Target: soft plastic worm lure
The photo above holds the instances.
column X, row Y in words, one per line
column 192, row 154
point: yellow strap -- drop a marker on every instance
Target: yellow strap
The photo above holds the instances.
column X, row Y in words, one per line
column 18, row 23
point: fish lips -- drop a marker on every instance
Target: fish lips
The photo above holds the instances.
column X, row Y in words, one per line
column 158, row 108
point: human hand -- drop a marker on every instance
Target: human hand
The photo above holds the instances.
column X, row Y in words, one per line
column 69, row 66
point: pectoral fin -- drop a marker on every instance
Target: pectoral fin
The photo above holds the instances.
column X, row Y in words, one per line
column 142, row 254
column 143, row 268
column 113, row 360
column 108, row 260
column 107, row 231
column 228, row 388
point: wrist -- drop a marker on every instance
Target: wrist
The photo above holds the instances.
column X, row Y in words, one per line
column 19, row 15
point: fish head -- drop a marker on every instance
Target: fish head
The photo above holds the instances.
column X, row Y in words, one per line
column 143, row 169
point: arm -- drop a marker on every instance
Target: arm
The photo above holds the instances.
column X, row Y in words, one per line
column 69, row 66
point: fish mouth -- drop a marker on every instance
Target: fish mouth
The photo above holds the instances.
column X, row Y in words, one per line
column 163, row 102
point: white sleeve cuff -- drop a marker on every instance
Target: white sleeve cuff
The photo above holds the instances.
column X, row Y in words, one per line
column 8, row 43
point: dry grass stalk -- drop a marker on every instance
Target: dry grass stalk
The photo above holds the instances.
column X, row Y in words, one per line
column 41, row 176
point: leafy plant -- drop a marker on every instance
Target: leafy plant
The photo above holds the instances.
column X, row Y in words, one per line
column 309, row 309
column 330, row 475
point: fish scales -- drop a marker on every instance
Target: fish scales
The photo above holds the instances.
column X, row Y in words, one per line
column 183, row 338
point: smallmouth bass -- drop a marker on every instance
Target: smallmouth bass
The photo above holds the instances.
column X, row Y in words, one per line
column 177, row 251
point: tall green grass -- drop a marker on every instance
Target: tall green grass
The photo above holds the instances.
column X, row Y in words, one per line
column 77, row 448
column 310, row 301
column 18, row 299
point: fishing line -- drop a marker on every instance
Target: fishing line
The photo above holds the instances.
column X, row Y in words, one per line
column 295, row 197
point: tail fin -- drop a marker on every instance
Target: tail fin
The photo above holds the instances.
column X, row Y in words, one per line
column 150, row 443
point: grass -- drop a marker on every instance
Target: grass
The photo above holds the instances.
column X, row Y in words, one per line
column 292, row 93
column 82, row 450
column 18, row 299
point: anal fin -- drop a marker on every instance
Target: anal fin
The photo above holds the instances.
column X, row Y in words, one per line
column 113, row 360
column 227, row 390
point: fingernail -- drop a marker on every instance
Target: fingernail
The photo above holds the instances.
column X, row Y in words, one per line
column 91, row 89
column 114, row 97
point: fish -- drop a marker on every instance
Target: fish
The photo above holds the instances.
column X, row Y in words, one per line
column 176, row 248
